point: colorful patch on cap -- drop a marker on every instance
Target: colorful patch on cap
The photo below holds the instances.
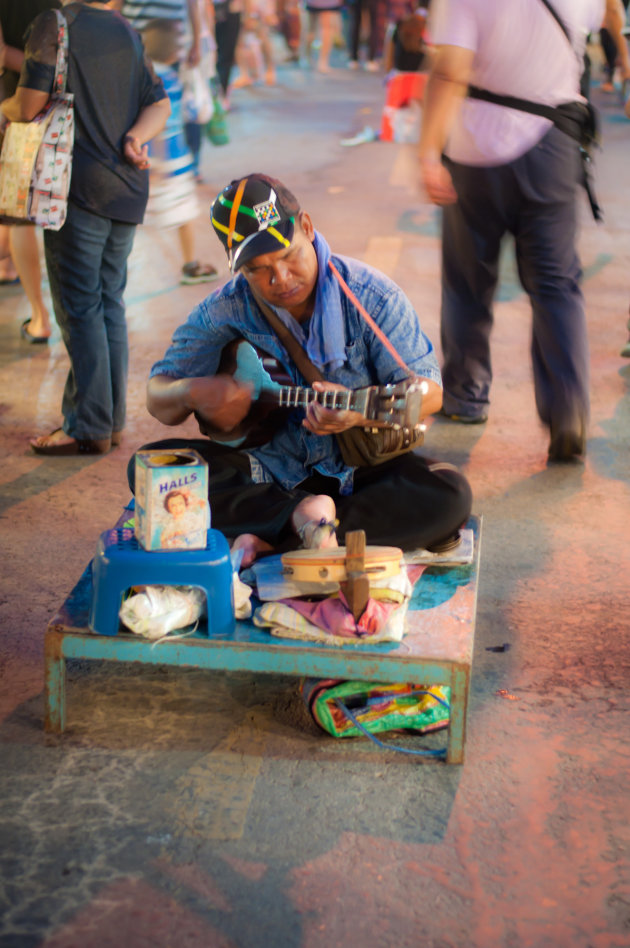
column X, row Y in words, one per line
column 266, row 214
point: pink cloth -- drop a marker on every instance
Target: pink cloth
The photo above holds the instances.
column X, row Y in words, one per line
column 333, row 615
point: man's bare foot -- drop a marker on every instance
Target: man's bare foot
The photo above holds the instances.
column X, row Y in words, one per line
column 252, row 546
column 314, row 521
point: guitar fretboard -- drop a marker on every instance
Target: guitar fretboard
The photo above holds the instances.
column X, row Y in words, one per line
column 296, row 397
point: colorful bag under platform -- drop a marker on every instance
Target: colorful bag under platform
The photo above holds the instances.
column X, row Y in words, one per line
column 365, row 708
column 36, row 160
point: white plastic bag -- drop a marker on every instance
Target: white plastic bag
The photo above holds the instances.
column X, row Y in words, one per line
column 158, row 610
column 242, row 598
column 197, row 102
column 242, row 592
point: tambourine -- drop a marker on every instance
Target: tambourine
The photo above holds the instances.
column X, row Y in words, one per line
column 312, row 566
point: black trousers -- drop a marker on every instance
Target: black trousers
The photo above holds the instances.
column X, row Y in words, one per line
column 371, row 6
column 226, row 30
column 534, row 198
column 407, row 502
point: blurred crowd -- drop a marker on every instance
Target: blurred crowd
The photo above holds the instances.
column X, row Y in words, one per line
column 197, row 52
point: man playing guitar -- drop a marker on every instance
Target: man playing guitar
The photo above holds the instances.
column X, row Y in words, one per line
column 295, row 488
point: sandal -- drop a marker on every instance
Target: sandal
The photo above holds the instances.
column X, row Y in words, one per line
column 196, row 272
column 315, row 533
column 44, row 446
column 28, row 336
column 445, row 546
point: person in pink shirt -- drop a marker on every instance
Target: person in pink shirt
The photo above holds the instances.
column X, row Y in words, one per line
column 496, row 169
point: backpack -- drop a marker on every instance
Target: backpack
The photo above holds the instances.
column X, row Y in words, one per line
column 366, row 708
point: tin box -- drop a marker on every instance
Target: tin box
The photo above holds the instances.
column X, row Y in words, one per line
column 172, row 509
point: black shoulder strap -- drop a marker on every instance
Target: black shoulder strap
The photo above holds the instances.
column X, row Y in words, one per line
column 559, row 21
column 512, row 102
column 71, row 12
column 290, row 343
column 575, row 119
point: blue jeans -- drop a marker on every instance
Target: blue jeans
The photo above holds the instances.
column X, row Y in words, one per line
column 87, row 269
column 534, row 198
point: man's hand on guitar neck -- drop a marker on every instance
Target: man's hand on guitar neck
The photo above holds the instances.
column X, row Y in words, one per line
column 218, row 399
column 325, row 421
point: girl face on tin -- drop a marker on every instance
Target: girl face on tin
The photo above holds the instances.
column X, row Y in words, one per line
column 176, row 505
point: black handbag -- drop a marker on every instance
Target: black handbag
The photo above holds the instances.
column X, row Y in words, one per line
column 366, row 447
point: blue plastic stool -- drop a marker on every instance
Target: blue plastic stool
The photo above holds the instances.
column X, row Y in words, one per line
column 120, row 562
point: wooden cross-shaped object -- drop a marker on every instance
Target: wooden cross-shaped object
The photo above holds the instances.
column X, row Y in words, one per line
column 357, row 585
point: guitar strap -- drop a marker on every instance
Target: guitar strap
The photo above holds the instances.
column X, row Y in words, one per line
column 238, row 197
column 376, row 329
column 290, row 343
column 296, row 351
column 358, row 446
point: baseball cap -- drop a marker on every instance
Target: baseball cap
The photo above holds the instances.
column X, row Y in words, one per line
column 254, row 215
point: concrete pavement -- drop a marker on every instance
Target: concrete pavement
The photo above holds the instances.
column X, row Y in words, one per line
column 203, row 809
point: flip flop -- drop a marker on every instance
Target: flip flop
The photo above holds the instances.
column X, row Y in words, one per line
column 196, row 272
column 71, row 448
column 26, row 335
column 445, row 546
column 12, row 282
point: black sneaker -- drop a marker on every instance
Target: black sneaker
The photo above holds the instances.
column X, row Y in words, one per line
column 465, row 419
column 567, row 446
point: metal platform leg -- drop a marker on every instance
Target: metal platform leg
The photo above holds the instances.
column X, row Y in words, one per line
column 55, row 682
column 460, row 680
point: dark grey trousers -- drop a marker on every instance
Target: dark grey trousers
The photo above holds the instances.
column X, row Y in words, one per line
column 534, row 198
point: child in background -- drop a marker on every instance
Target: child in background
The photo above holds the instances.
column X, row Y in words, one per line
column 172, row 197
column 254, row 52
column 406, row 62
column 197, row 104
column 406, row 48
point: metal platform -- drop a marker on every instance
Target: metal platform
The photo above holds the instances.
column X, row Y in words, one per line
column 437, row 648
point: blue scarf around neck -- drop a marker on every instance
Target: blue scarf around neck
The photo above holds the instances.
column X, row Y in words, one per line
column 323, row 340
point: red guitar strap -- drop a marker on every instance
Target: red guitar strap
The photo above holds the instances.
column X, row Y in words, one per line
column 376, row 329
column 297, row 353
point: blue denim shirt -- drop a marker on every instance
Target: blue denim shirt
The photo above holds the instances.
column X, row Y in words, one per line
column 231, row 312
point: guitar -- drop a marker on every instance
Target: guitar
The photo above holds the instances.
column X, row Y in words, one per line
column 395, row 406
